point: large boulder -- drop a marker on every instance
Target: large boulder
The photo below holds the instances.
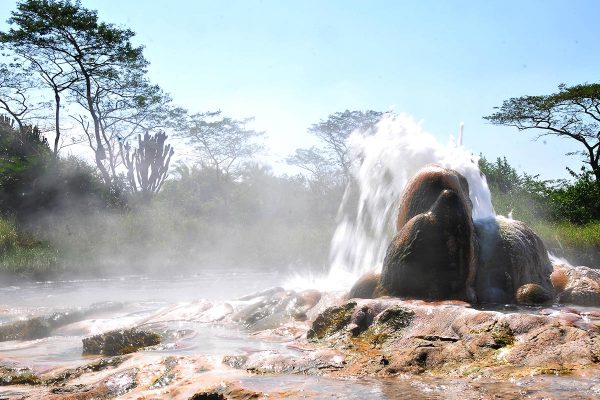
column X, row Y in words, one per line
column 512, row 263
column 432, row 256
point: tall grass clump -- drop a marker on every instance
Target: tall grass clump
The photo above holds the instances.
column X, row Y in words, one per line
column 22, row 254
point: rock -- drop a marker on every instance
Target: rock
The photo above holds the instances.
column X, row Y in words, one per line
column 212, row 395
column 120, row 342
column 18, row 376
column 423, row 190
column 531, row 294
column 395, row 318
column 275, row 307
column 40, row 327
column 95, row 366
column 511, row 255
column 228, row 391
column 415, row 337
column 331, row 321
column 29, row 329
column 366, row 287
column 432, row 256
column 582, row 285
column 440, row 253
column 270, row 362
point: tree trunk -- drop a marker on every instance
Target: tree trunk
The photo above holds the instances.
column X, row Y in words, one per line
column 596, row 169
column 100, row 153
column 57, row 123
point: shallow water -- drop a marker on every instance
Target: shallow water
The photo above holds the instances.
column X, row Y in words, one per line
column 171, row 305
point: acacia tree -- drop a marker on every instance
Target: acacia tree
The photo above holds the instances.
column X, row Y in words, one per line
column 222, row 143
column 99, row 54
column 333, row 134
column 573, row 112
column 315, row 163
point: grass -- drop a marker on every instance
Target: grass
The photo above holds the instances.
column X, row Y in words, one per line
column 22, row 254
column 580, row 244
column 570, row 235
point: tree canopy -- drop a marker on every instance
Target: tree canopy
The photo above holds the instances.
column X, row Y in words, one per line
column 332, row 156
column 222, row 143
column 103, row 71
column 573, row 112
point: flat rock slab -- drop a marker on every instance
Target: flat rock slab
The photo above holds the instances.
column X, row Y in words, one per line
column 119, row 342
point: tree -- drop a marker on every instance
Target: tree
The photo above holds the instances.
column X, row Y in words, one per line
column 333, row 133
column 53, row 72
column 128, row 105
column 148, row 165
column 222, row 143
column 15, row 86
column 500, row 175
column 100, row 55
column 573, row 112
column 313, row 161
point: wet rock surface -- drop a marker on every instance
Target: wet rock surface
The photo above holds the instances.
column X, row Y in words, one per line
column 43, row 326
column 578, row 285
column 357, row 348
column 513, row 264
column 452, row 339
column 120, row 342
column 433, row 254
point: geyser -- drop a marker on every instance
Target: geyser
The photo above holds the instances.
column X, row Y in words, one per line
column 439, row 252
column 384, row 163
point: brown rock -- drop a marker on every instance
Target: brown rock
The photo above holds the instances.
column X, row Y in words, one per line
column 532, row 293
column 365, row 287
column 423, row 190
column 583, row 286
column 431, row 257
column 511, row 255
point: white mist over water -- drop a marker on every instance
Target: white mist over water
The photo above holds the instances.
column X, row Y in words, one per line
column 384, row 163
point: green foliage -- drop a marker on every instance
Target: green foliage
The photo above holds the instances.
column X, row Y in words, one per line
column 568, row 234
column 577, row 202
column 34, row 183
column 222, row 143
column 532, row 200
column 8, row 235
column 500, row 175
column 523, row 196
column 148, row 164
column 580, row 244
column 74, row 31
column 100, row 69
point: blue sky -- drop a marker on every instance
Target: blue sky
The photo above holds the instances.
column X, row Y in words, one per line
column 291, row 63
